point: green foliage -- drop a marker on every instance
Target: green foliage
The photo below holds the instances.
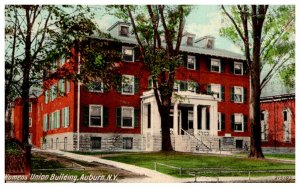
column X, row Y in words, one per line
column 287, row 74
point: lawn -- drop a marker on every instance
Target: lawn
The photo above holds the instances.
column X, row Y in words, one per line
column 203, row 161
column 281, row 156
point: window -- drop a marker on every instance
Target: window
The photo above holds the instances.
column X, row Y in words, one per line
column 238, row 94
column 61, row 87
column 53, row 92
column 57, row 119
column 191, row 63
column 57, row 143
column 46, row 96
column 215, row 65
column 238, row 122
column 45, row 122
column 210, row 43
column 65, row 143
column 128, row 54
column 192, row 86
column 68, row 86
column 128, row 84
column 189, row 41
column 53, row 65
column 287, row 135
column 127, row 117
column 264, row 125
column 62, row 60
column 30, row 107
column 238, row 68
column 127, row 142
column 190, row 119
column 95, row 143
column 97, row 86
column 124, row 31
column 183, row 86
column 216, row 90
column 65, row 117
column 30, row 122
column 95, row 113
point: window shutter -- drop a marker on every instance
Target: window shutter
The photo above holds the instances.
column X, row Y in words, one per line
column 222, row 93
column 232, row 94
column 245, row 68
column 136, row 118
column 136, row 54
column 222, row 62
column 184, row 59
column 86, row 115
column 197, row 59
column 222, row 121
column 232, row 122
column 245, row 123
column 245, row 95
column 207, row 121
column 150, row 83
column 232, row 67
column 118, row 117
column 208, row 64
column 208, row 89
column 105, row 116
column 136, row 85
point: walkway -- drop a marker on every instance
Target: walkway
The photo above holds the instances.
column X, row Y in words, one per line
column 154, row 176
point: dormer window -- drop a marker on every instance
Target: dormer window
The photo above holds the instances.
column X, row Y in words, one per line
column 124, row 31
column 189, row 41
column 210, row 43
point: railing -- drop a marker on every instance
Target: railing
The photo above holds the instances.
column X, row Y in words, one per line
column 197, row 140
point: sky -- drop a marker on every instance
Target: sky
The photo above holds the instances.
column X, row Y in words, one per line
column 203, row 20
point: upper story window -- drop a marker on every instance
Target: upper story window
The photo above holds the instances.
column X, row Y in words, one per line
column 189, row 41
column 65, row 117
column 238, row 68
column 238, row 122
column 191, row 62
column 127, row 117
column 124, row 31
column 46, row 96
column 128, row 54
column 128, row 84
column 216, row 89
column 45, row 122
column 215, row 65
column 62, row 60
column 53, row 94
column 62, row 87
column 185, row 86
column 97, row 86
column 237, row 94
column 95, row 115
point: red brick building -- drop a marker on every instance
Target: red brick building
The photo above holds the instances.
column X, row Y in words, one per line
column 212, row 112
column 278, row 122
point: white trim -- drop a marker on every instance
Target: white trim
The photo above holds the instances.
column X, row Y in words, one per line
column 220, row 92
column 97, row 91
column 215, row 60
column 242, row 68
column 128, row 48
column 132, row 111
column 129, row 77
column 187, row 62
column 96, row 105
column 242, row 98
column 239, row 114
column 219, row 121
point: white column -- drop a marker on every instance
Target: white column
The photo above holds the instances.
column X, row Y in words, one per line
column 203, row 123
column 213, row 120
column 195, row 121
column 155, row 119
column 175, row 119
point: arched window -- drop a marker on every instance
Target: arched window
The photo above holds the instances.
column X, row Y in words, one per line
column 287, row 125
column 264, row 116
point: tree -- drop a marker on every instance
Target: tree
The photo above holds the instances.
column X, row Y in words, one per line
column 265, row 35
column 149, row 24
column 32, row 32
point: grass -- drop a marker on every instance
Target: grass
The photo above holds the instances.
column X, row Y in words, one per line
column 281, row 156
column 186, row 160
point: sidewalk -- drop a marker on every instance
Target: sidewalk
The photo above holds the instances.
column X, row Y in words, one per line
column 154, row 176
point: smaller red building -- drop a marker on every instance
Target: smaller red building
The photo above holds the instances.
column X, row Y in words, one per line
column 278, row 122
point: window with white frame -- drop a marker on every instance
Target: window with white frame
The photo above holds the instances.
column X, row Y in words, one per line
column 45, row 122
column 128, row 84
column 191, row 86
column 96, row 116
column 189, row 41
column 97, row 86
column 68, row 86
column 287, row 135
column 30, row 122
column 30, row 107
column 191, row 62
column 238, row 94
column 190, row 119
column 127, row 117
column 219, row 121
column 53, row 92
column 65, row 117
column 124, row 31
column 128, row 54
column 53, row 65
column 215, row 65
column 57, row 112
column 238, row 122
column 238, row 68
column 264, row 125
column 62, row 60
column 61, row 87
column 216, row 90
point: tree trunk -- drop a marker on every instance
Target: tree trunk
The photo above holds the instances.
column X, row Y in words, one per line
column 25, row 111
column 165, row 129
